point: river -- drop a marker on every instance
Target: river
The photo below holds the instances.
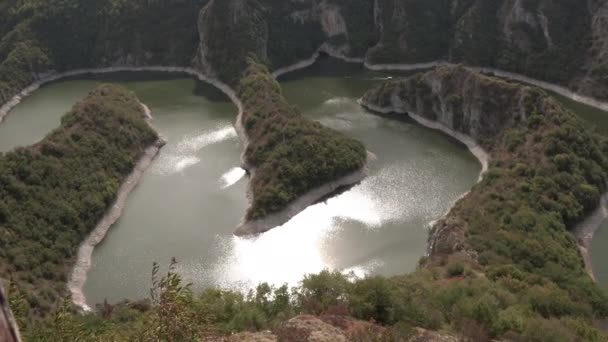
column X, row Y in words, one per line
column 193, row 196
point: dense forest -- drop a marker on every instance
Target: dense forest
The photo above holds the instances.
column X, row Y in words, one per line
column 54, row 192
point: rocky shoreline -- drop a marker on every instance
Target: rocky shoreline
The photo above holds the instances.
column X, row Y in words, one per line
column 258, row 226
column 561, row 90
column 54, row 76
column 476, row 150
column 85, row 251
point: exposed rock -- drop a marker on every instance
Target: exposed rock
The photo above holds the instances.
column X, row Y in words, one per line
column 253, row 337
column 309, row 329
column 423, row 335
column 338, row 328
column 8, row 328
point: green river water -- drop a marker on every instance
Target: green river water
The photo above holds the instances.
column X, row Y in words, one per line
column 193, row 196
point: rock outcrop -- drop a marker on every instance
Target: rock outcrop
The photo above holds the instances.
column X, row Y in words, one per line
column 8, row 328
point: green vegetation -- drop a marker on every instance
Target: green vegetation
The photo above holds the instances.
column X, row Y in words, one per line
column 474, row 306
column 473, row 32
column 38, row 36
column 54, row 192
column 546, row 174
column 362, row 30
column 291, row 154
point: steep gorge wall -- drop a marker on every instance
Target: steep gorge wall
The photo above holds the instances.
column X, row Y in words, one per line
column 559, row 41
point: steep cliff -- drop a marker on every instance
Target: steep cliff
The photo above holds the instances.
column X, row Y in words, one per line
column 53, row 193
column 280, row 33
column 231, row 31
column 546, row 39
column 595, row 82
column 9, row 331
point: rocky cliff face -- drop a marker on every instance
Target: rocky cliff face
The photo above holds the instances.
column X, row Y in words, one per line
column 534, row 145
column 523, row 36
column 480, row 107
column 231, row 31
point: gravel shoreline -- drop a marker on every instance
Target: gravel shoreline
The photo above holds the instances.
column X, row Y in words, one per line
column 584, row 231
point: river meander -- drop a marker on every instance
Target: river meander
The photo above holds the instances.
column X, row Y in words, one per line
column 193, row 196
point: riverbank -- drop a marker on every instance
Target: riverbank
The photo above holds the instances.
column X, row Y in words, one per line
column 283, row 184
column 83, row 263
column 561, row 90
column 476, row 150
column 325, row 48
column 585, row 231
column 52, row 77
column 85, row 251
column 258, row 226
